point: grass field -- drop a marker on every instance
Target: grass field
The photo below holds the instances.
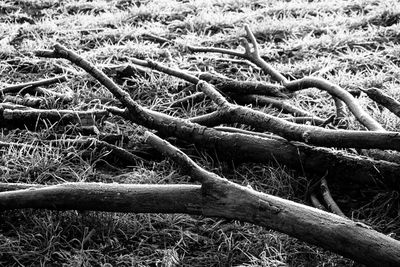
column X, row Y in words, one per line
column 352, row 43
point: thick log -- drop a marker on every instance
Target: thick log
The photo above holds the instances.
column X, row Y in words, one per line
column 223, row 198
column 104, row 197
column 216, row 198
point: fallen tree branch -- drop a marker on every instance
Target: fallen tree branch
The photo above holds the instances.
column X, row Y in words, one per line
column 124, row 156
column 298, row 132
column 228, row 85
column 251, row 55
column 216, row 197
column 242, row 147
column 105, row 197
column 192, row 99
column 16, row 88
column 276, row 103
column 330, row 202
column 316, row 203
column 383, row 99
column 30, row 117
column 223, row 198
column 338, row 92
column 223, row 83
column 300, row 84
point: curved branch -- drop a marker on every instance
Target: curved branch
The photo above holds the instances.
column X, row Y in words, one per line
column 383, row 99
column 44, row 82
column 298, row 132
column 337, row 91
column 330, row 202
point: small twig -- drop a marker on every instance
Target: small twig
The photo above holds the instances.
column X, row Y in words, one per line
column 153, row 37
column 210, row 120
column 249, row 54
column 192, row 99
column 280, row 104
column 316, row 121
column 64, row 97
column 195, row 171
column 27, row 101
column 31, row 116
column 228, row 85
column 316, row 203
column 174, row 72
column 341, row 113
column 18, row 87
column 326, row 194
column 119, row 152
column 236, row 130
column 383, row 99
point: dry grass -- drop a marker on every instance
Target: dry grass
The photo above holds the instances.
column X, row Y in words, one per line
column 352, row 44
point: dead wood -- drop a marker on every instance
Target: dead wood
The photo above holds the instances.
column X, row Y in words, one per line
column 191, row 99
column 242, row 147
column 338, row 92
column 124, row 157
column 16, row 118
column 216, row 197
column 330, row 202
column 316, row 203
column 298, row 132
column 226, row 84
column 383, row 99
column 16, row 88
column 223, row 198
column 280, row 104
column 253, row 55
column 249, row 54
column 27, row 101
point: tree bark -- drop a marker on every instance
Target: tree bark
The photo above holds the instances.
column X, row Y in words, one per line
column 216, row 198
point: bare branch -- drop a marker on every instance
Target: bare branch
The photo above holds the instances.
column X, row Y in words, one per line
column 225, row 199
column 106, row 197
column 337, row 91
column 44, row 82
column 241, row 147
column 316, row 203
column 383, row 99
column 298, row 132
column 215, row 198
column 30, row 117
column 326, row 194
column 192, row 99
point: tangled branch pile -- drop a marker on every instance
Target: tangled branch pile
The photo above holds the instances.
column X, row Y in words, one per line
column 302, row 142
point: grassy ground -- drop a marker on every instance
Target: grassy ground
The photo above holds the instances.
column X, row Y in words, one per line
column 352, row 43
